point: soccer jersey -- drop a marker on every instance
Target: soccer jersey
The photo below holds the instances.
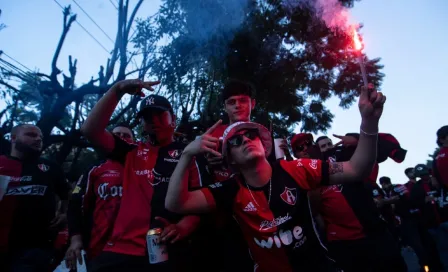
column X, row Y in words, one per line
column 29, row 202
column 275, row 219
column 146, row 175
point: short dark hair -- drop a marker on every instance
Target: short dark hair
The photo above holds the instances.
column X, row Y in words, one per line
column 17, row 128
column 385, row 180
column 237, row 87
column 321, row 138
column 125, row 125
column 408, row 170
column 441, row 133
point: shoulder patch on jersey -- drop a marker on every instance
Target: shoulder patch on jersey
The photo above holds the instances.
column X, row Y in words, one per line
column 43, row 167
column 174, row 153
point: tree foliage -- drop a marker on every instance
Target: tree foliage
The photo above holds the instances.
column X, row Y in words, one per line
column 295, row 62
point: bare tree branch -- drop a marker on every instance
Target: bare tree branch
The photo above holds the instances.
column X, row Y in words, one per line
column 132, row 104
column 131, row 19
column 76, row 116
column 66, row 27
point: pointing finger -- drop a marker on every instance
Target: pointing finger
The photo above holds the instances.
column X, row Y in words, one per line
column 210, row 130
column 337, row 136
column 209, row 138
column 148, row 84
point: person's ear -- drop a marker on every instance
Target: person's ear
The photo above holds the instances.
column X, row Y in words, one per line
column 13, row 138
column 253, row 102
column 173, row 120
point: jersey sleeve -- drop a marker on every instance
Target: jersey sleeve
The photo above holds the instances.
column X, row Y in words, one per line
column 81, row 195
column 121, row 149
column 221, row 195
column 308, row 173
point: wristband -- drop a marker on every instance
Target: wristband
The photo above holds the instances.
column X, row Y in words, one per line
column 368, row 134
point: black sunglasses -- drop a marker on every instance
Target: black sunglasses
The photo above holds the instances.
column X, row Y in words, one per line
column 238, row 140
column 300, row 148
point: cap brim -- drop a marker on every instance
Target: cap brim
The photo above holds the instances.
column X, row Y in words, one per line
column 151, row 108
column 264, row 133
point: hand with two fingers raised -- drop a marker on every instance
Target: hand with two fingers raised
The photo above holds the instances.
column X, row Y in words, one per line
column 134, row 86
column 204, row 144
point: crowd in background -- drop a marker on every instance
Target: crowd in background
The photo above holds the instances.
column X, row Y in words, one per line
column 233, row 199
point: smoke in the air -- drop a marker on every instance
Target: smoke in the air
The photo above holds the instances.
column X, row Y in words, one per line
column 332, row 12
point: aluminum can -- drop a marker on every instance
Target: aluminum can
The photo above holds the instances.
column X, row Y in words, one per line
column 157, row 250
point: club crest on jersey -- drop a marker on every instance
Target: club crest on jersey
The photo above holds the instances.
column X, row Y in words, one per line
column 43, row 167
column 289, row 196
column 174, row 153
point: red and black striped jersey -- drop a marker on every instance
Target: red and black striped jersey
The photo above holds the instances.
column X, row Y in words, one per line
column 275, row 219
column 29, row 202
column 146, row 175
column 94, row 205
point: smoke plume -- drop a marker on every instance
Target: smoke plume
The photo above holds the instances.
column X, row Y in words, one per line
column 332, row 12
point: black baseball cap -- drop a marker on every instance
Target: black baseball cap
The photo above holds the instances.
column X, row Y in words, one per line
column 154, row 102
column 441, row 133
column 421, row 170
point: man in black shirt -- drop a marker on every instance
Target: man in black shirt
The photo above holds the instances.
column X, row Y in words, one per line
column 29, row 220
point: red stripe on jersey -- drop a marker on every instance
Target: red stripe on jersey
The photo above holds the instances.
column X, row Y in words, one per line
column 104, row 184
column 340, row 220
column 11, row 168
column 133, row 220
column 266, row 248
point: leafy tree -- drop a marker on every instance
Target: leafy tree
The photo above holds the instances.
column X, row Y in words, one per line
column 57, row 104
column 294, row 60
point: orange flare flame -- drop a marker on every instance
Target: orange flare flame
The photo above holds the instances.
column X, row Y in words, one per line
column 357, row 40
column 426, row 268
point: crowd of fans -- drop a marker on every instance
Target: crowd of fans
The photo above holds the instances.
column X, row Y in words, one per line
column 233, row 199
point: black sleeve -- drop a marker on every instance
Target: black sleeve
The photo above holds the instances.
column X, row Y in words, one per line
column 417, row 196
column 325, row 174
column 75, row 205
column 62, row 187
column 120, row 150
column 224, row 194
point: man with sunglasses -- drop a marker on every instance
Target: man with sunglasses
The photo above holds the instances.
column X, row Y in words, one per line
column 94, row 205
column 270, row 202
column 221, row 236
column 148, row 166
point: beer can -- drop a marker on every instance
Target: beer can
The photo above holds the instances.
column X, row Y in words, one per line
column 157, row 250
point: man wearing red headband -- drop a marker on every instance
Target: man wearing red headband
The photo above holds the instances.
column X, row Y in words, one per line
column 270, row 202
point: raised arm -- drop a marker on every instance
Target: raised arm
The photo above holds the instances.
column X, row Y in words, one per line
column 178, row 198
column 94, row 128
column 361, row 163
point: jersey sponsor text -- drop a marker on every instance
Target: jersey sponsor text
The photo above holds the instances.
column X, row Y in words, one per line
column 36, row 190
column 283, row 237
column 269, row 224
